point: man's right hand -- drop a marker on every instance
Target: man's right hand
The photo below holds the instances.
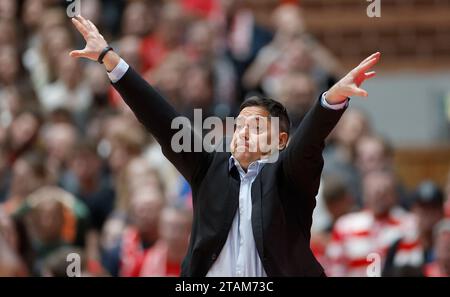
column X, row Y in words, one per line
column 95, row 43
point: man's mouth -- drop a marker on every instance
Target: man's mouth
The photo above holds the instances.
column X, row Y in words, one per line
column 244, row 144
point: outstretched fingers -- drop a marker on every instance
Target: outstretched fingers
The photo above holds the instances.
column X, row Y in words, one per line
column 78, row 54
column 80, row 27
column 370, row 74
column 93, row 27
column 359, row 92
column 84, row 22
column 367, row 65
column 377, row 54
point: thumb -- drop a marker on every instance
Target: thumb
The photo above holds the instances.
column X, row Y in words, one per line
column 359, row 92
column 78, row 54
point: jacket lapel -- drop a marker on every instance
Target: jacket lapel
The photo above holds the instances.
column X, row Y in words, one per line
column 257, row 224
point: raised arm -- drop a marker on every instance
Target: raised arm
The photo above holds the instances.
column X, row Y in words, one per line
column 303, row 160
column 150, row 108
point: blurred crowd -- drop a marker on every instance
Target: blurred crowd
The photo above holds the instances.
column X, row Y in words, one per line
column 78, row 174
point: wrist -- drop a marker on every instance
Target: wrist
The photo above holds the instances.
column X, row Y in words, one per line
column 111, row 60
column 333, row 99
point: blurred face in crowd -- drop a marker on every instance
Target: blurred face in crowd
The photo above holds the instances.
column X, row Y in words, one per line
column 112, row 231
column 428, row 215
column 298, row 56
column 379, row 193
column 197, row 90
column 69, row 71
column 170, row 27
column 200, row 39
column 60, row 140
column 8, row 231
column 12, row 100
column 229, row 6
column 32, row 11
column 50, row 19
column 22, row 171
column 97, row 80
column 85, row 165
column 91, row 10
column 47, row 219
column 252, row 138
column 371, row 155
column 352, row 126
column 123, row 150
column 57, row 41
column 129, row 50
column 126, row 137
column 8, row 9
column 140, row 175
column 8, row 34
column 136, row 19
column 119, row 157
column 23, row 129
column 10, row 69
column 288, row 21
column 175, row 229
column 146, row 209
column 169, row 75
column 10, row 264
column 442, row 250
column 297, row 93
column 340, row 206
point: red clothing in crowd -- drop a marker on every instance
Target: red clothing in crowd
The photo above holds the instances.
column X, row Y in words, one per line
column 137, row 261
column 203, row 8
column 358, row 236
column 433, row 270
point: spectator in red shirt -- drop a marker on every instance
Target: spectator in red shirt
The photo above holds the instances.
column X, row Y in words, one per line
column 166, row 256
column 139, row 237
column 358, row 236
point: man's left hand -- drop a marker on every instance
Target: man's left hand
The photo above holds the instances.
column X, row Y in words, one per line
column 351, row 83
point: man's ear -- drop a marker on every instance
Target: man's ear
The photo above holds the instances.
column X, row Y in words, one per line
column 282, row 140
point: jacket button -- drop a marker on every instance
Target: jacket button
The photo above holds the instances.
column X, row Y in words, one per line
column 214, row 257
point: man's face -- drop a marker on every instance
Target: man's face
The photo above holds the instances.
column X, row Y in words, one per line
column 252, row 136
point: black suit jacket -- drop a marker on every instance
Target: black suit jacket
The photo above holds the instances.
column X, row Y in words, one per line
column 283, row 194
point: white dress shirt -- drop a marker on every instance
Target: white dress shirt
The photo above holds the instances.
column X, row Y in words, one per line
column 239, row 256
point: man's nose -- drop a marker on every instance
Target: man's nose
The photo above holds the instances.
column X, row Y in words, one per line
column 244, row 133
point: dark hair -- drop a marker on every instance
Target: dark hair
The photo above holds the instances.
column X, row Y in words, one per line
column 428, row 193
column 275, row 109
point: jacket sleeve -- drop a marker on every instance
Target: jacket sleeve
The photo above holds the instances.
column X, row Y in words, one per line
column 157, row 116
column 303, row 161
